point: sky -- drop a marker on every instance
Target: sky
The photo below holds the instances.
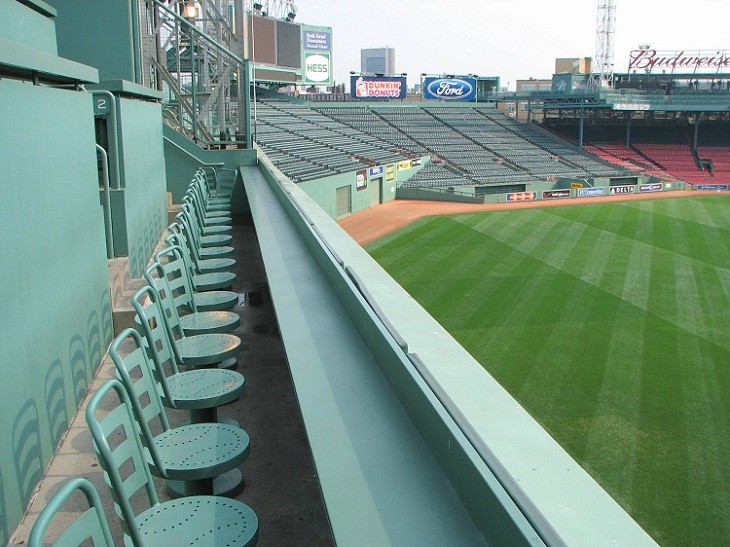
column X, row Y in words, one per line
column 512, row 39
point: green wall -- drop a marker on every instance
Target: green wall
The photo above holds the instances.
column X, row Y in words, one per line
column 139, row 210
column 97, row 33
column 183, row 158
column 27, row 27
column 56, row 320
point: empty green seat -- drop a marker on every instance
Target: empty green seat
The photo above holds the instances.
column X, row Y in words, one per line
column 192, row 520
column 202, row 281
column 189, row 456
column 206, row 228
column 204, row 265
column 162, row 329
column 209, row 211
column 213, row 251
column 199, row 391
column 208, row 239
column 194, row 322
column 91, row 525
column 222, row 191
column 179, row 279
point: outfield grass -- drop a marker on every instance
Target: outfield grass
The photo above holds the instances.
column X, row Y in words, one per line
column 610, row 324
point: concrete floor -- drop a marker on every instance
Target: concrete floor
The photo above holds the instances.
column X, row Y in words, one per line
column 281, row 484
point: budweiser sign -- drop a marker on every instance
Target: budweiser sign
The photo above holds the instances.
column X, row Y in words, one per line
column 648, row 59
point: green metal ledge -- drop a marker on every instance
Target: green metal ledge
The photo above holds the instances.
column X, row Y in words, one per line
column 380, row 481
column 28, row 63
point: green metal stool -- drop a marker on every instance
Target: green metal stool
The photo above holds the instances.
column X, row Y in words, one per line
column 213, row 251
column 199, row 391
column 196, row 519
column 194, row 322
column 204, row 265
column 179, row 280
column 161, row 331
column 202, row 281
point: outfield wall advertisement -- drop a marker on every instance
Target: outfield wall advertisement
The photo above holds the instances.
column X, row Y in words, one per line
column 618, row 190
column 590, row 192
column 521, row 196
column 378, row 88
column 556, row 194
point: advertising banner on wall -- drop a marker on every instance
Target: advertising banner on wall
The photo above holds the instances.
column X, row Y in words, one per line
column 317, row 68
column 715, row 187
column 376, row 171
column 378, row 88
column 361, row 180
column 653, row 187
column 449, row 89
column 317, row 40
column 521, row 196
column 556, row 194
column 390, row 172
column 589, row 192
column 616, row 190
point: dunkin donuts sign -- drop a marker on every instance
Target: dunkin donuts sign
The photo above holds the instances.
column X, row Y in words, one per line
column 368, row 88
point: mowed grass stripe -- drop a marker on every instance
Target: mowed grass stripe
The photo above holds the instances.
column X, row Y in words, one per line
column 593, row 344
column 593, row 248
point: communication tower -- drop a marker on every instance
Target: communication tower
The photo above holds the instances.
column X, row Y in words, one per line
column 602, row 70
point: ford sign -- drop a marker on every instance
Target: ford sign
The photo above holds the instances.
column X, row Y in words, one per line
column 450, row 89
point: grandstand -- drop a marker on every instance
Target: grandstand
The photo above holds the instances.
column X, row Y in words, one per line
column 475, row 146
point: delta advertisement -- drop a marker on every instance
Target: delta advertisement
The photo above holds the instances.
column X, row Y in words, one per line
column 619, row 190
column 378, row 88
column 450, row 89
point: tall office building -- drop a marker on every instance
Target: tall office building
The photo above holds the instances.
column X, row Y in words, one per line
column 377, row 60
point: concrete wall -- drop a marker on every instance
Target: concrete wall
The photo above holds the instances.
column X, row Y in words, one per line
column 56, row 320
column 28, row 27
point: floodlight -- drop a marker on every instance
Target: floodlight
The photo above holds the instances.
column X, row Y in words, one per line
column 190, row 11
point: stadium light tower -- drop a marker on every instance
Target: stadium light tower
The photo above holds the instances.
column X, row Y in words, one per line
column 602, row 69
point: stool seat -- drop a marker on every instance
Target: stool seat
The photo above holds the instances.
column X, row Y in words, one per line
column 209, row 322
column 213, row 280
column 198, row 520
column 215, row 300
column 199, row 451
column 207, row 349
column 209, row 265
column 221, row 251
column 204, row 388
column 215, row 240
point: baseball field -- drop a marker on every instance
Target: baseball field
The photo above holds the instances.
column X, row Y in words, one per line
column 610, row 324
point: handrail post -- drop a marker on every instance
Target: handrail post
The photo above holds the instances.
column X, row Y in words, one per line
column 107, row 205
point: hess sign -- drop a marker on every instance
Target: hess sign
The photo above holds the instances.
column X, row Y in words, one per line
column 317, row 68
column 450, row 89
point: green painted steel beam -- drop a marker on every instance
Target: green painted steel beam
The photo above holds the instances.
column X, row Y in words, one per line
column 380, row 481
column 26, row 62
